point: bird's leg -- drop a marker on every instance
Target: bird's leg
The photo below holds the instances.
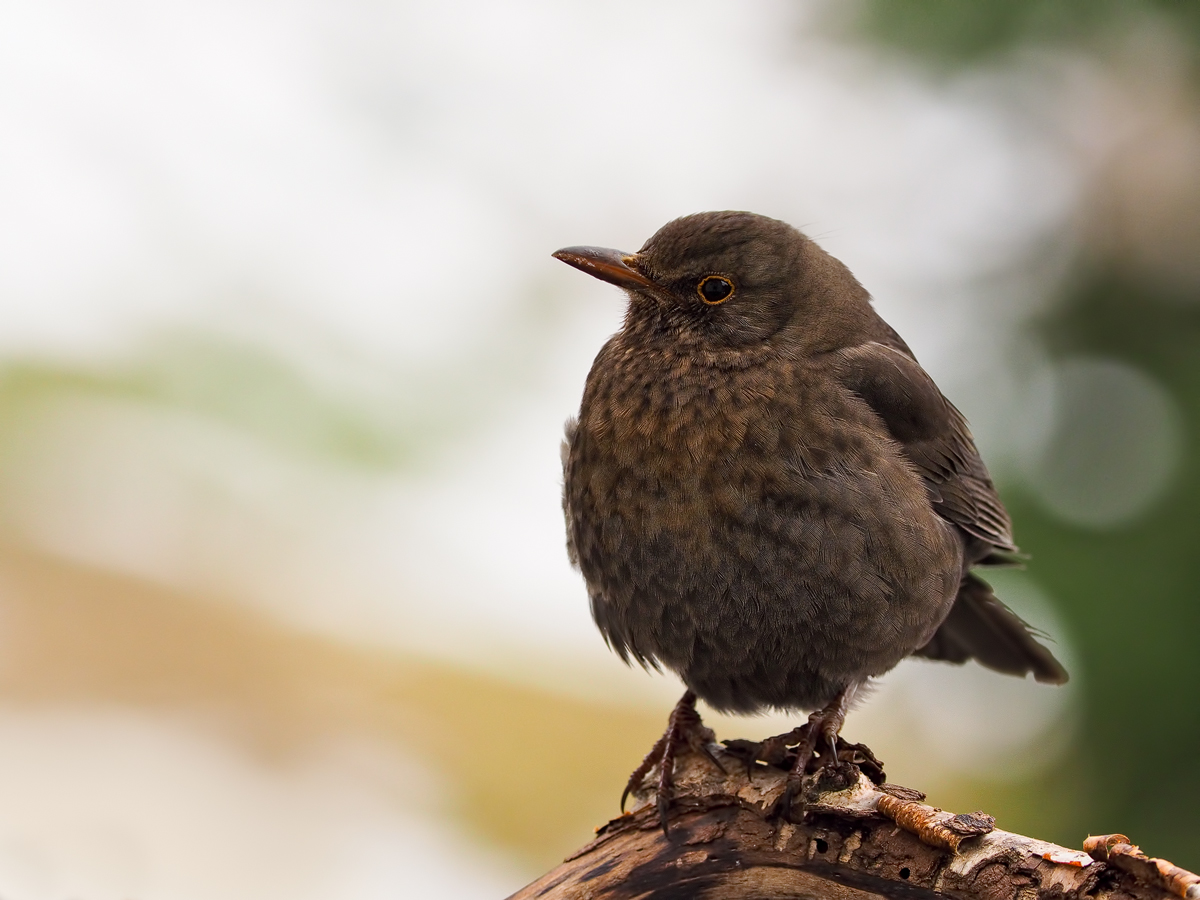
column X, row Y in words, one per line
column 684, row 727
column 823, row 725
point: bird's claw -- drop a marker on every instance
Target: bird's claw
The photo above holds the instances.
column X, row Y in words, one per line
column 791, row 789
column 683, row 728
column 701, row 747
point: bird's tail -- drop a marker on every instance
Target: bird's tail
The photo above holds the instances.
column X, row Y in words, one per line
column 982, row 628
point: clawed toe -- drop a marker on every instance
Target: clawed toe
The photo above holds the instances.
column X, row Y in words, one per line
column 651, row 760
column 684, row 728
column 791, row 790
column 701, row 746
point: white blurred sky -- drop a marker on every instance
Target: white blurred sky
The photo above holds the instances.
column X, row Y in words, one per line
column 398, row 172
column 393, row 177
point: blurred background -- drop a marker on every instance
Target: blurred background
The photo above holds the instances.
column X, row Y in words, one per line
column 284, row 363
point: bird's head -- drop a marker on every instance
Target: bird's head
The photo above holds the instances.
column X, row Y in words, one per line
column 725, row 280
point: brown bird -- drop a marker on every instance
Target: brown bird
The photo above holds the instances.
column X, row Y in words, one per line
column 767, row 494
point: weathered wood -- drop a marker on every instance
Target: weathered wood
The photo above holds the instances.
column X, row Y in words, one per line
column 845, row 838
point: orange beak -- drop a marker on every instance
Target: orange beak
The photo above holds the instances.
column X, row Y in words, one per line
column 608, row 265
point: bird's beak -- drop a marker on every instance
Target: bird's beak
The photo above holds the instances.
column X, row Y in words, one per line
column 612, row 266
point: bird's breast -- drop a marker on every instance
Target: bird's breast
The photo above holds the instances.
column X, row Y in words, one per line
column 678, row 439
column 728, row 514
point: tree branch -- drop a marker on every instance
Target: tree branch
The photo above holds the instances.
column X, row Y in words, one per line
column 846, row 837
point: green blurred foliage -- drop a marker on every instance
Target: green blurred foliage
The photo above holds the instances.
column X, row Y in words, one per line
column 309, row 402
column 1128, row 594
column 957, row 32
column 242, row 386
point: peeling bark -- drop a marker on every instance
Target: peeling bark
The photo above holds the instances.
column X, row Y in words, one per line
column 845, row 838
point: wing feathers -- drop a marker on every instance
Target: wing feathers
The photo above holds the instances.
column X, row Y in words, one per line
column 934, row 435
column 936, row 440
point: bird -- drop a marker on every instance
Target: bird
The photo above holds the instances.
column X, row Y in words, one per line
column 767, row 494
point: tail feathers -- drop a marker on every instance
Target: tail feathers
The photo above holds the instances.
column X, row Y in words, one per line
column 982, row 628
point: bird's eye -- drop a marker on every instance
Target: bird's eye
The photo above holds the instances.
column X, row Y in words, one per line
column 715, row 289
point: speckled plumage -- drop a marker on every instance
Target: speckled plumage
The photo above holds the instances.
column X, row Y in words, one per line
column 769, row 495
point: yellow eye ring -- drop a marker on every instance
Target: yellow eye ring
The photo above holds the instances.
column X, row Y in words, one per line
column 715, row 289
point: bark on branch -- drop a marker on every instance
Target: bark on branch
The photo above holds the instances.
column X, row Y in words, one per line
column 846, row 837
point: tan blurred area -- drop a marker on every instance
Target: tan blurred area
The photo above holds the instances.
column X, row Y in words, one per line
column 525, row 769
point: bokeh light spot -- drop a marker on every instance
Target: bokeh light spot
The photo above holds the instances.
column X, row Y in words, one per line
column 1115, row 445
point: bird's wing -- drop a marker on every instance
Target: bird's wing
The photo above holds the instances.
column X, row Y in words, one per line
column 934, row 436
column 936, row 441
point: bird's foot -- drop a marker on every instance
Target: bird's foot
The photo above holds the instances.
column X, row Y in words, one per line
column 818, row 749
column 780, row 752
column 684, row 729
